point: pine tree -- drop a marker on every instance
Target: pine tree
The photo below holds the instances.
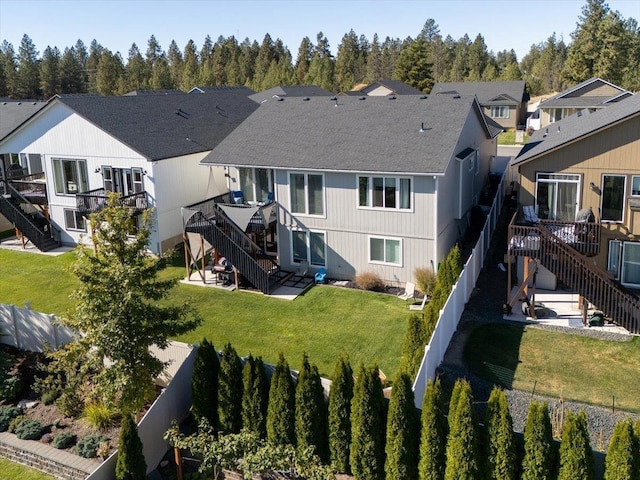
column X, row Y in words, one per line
column 281, row 410
column 71, row 72
column 137, row 72
column 311, row 411
column 9, row 85
column 110, row 73
column 501, row 454
column 50, row 72
column 402, row 432
column 204, row 384
column 255, row 396
column 576, row 457
column 433, row 434
column 538, row 460
column 340, row 397
column 462, row 442
column 230, row 391
column 346, row 62
column 413, row 66
column 620, row 463
column 368, row 421
column 130, row 464
column 190, row 67
column 305, row 52
column 28, row 70
column 413, row 348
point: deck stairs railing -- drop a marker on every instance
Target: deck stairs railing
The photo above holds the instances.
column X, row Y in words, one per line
column 95, row 200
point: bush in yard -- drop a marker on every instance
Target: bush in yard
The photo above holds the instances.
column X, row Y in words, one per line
column 7, row 414
column 230, row 391
column 28, row 429
column 255, row 396
column 413, row 348
column 281, row 409
column 636, row 446
column 620, row 463
column 340, row 397
column 433, row 434
column 204, row 384
column 311, row 411
column 130, row 464
column 63, row 440
column 425, row 280
column 369, row 281
column 402, row 432
column 538, row 460
column 87, row 447
column 462, row 442
column 368, row 422
column 98, row 415
column 500, row 454
column 576, row 456
column 10, row 387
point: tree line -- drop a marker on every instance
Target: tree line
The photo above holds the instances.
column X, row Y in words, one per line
column 604, row 44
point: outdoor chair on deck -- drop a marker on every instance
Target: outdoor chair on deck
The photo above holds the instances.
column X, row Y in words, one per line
column 409, row 291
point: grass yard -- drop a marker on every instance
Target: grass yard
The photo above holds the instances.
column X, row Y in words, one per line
column 560, row 365
column 15, row 471
column 509, row 138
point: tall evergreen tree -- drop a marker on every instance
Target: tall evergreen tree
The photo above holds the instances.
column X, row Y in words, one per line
column 538, row 460
column 433, row 434
column 91, row 65
column 137, row 72
column 311, row 411
column 161, row 77
column 368, row 421
column 50, row 72
column 72, row 76
column 153, row 53
column 414, row 343
column 576, row 457
column 28, row 70
column 478, row 59
column 374, row 61
column 130, row 464
column 413, row 66
column 402, row 432
column 9, row 87
column 322, row 68
column 462, row 442
column 500, row 452
column 190, row 67
column 620, row 463
column 347, row 62
column 255, row 396
column 340, row 397
column 175, row 62
column 230, row 391
column 204, row 384
column 305, row 52
column 281, row 410
column 390, row 52
column 110, row 74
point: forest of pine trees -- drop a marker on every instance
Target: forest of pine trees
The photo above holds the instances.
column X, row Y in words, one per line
column 430, row 57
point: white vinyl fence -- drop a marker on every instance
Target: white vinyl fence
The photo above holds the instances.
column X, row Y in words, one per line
column 29, row 330
column 453, row 308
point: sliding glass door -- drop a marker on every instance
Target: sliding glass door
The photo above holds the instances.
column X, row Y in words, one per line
column 557, row 196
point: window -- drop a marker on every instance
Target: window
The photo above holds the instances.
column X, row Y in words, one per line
column 385, row 250
column 255, row 183
column 384, row 192
column 70, row 176
column 308, row 246
column 635, row 185
column 499, row 111
column 557, row 196
column 613, row 264
column 73, row 220
column 307, row 193
column 123, row 180
column 613, row 197
column 556, row 115
column 630, row 274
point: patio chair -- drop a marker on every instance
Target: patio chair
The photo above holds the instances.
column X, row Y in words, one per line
column 420, row 306
column 530, row 215
column 320, row 275
column 409, row 290
column 238, row 198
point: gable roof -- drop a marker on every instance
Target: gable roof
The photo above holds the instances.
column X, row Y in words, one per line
column 405, row 134
column 397, row 87
column 15, row 113
column 290, row 91
column 489, row 93
column 577, row 96
column 241, row 89
column 575, row 127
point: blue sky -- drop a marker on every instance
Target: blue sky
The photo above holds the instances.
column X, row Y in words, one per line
column 116, row 24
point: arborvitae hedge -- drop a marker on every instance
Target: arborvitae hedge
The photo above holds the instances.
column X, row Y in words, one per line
column 311, row 411
column 453, row 403
column 340, row 397
column 636, row 450
column 281, row 409
column 620, row 463
column 230, row 391
column 255, row 396
column 538, row 460
column 434, row 434
column 204, row 384
column 576, row 457
column 500, row 454
column 368, row 421
column 413, row 348
column 462, row 443
column 130, row 464
column 402, row 432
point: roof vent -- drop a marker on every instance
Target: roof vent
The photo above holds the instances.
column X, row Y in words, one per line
column 19, row 103
column 362, row 98
column 579, row 114
column 546, row 132
column 333, row 99
column 423, row 97
column 392, row 97
column 280, row 99
column 421, row 127
column 558, row 128
column 456, row 96
column 306, row 99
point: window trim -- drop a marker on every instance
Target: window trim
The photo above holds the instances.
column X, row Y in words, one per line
column 75, row 227
column 378, row 262
column 616, row 271
column 398, row 179
column 497, row 111
column 637, row 194
column 64, row 191
column 307, row 235
column 624, row 198
column 306, row 194
column 622, row 263
column 553, row 177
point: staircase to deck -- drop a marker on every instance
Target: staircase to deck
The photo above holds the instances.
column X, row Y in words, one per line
column 575, row 270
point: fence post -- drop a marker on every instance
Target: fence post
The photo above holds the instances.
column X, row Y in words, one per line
column 56, row 342
column 14, row 320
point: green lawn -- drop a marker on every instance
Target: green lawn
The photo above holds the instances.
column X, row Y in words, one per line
column 324, row 322
column 560, row 365
column 15, row 471
column 509, row 138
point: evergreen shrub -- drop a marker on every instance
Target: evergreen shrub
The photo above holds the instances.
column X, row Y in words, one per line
column 63, row 440
column 28, row 429
column 7, row 414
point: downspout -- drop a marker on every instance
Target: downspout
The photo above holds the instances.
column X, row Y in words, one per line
column 435, row 225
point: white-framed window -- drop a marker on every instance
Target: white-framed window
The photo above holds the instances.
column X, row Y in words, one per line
column 73, row 220
column 612, row 198
column 309, row 246
column 70, row 176
column 255, row 183
column 613, row 262
column 384, row 192
column 624, row 262
column 385, row 250
column 635, row 185
column 556, row 114
column 126, row 181
column 499, row 111
column 306, row 193
column 557, row 196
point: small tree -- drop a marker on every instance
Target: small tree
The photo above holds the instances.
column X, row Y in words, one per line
column 340, row 397
column 462, row 442
column 311, row 411
column 538, row 460
column 255, row 396
column 204, row 384
column 130, row 464
column 576, row 457
column 413, row 348
column 230, row 391
column 620, row 463
column 501, row 453
column 402, row 432
column 636, row 447
column 368, row 420
column 434, row 434
column 281, row 409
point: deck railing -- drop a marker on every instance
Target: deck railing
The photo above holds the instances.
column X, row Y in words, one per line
column 32, row 187
column 95, row 200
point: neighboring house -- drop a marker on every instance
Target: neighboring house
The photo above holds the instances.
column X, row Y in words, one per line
column 533, row 110
column 590, row 95
column 148, row 148
column 384, row 88
column 504, row 102
column 290, row 91
column 369, row 184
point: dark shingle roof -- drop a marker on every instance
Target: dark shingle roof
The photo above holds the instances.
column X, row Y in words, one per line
column 576, row 126
column 290, row 91
column 575, row 97
column 378, row 134
column 397, row 87
column 165, row 126
column 488, row 93
column 239, row 89
column 14, row 113
column 169, row 91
